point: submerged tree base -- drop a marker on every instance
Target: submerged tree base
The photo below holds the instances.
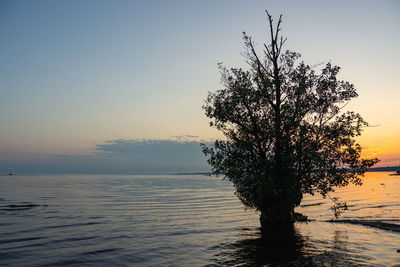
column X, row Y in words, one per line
column 273, row 219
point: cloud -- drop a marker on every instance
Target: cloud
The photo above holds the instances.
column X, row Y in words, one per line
column 389, row 161
column 124, row 156
column 154, row 155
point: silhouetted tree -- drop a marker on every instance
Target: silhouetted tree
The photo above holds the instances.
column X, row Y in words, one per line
column 285, row 129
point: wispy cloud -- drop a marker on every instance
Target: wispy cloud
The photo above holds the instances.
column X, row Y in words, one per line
column 125, row 156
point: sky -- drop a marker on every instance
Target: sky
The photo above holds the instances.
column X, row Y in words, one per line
column 90, row 85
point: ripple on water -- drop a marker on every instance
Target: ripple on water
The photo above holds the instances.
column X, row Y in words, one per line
column 183, row 220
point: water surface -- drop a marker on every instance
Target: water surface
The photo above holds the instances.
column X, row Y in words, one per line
column 182, row 220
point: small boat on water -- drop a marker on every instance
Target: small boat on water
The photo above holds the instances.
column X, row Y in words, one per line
column 396, row 173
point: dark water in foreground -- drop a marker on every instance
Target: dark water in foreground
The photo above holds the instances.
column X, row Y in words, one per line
column 183, row 220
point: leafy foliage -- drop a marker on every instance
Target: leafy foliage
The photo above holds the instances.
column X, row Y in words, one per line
column 286, row 134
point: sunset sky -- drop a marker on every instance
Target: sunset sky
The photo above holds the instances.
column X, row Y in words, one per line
column 83, row 84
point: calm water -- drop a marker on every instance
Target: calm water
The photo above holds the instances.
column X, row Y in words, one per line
column 183, row 220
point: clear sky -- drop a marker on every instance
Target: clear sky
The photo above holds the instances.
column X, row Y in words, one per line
column 76, row 76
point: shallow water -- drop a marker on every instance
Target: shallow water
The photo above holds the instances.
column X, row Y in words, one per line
column 181, row 220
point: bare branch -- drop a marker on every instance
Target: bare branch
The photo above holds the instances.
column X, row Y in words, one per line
column 278, row 28
column 268, row 52
column 271, row 32
column 282, row 41
column 253, row 51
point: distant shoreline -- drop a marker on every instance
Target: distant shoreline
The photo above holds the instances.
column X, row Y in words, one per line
column 385, row 169
column 376, row 169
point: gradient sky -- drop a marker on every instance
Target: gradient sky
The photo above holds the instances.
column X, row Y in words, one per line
column 77, row 75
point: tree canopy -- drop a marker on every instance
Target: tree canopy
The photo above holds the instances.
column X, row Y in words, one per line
column 286, row 130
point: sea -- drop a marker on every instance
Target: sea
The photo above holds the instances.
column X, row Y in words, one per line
column 187, row 220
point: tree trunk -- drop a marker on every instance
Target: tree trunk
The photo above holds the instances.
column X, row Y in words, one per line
column 277, row 215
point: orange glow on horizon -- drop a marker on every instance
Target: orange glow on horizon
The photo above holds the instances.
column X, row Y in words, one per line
column 387, row 150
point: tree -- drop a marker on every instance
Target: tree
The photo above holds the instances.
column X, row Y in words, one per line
column 285, row 128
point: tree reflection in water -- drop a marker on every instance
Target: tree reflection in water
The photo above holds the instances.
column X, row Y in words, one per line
column 278, row 245
column 285, row 246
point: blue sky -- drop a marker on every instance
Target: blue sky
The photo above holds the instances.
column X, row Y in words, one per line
column 74, row 74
